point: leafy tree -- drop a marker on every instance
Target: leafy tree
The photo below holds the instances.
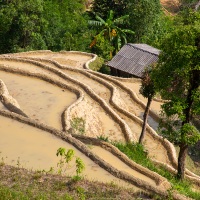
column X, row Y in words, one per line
column 23, row 25
column 64, row 163
column 77, row 36
column 177, row 78
column 187, row 17
column 142, row 14
column 67, row 25
column 190, row 3
column 148, row 91
column 54, row 27
column 102, row 7
column 110, row 30
column 38, row 24
column 74, row 33
column 162, row 25
column 102, row 47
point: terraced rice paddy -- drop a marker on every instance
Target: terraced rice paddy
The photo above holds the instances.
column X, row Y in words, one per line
column 53, row 89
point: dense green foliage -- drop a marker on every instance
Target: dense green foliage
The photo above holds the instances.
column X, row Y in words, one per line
column 99, row 66
column 160, row 28
column 177, row 78
column 110, row 33
column 21, row 25
column 102, row 7
column 96, row 64
column 63, row 25
column 43, row 24
column 135, row 152
column 189, row 3
column 142, row 14
column 146, row 19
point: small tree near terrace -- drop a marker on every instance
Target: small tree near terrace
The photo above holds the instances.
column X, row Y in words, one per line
column 148, row 91
column 177, row 78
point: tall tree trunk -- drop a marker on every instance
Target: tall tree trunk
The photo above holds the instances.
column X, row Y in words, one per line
column 145, row 116
column 181, row 161
column 194, row 84
column 184, row 146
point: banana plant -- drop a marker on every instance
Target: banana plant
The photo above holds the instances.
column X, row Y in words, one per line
column 110, row 30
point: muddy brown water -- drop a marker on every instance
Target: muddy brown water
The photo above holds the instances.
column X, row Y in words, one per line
column 98, row 88
column 135, row 86
column 117, row 163
column 64, row 58
column 40, row 100
column 46, row 102
column 108, row 125
column 38, row 151
column 43, row 102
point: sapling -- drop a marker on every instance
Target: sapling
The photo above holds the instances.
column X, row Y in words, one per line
column 66, row 158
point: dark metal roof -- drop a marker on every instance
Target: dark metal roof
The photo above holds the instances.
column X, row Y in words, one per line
column 134, row 58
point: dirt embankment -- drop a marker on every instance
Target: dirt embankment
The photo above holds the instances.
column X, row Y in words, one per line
column 104, row 102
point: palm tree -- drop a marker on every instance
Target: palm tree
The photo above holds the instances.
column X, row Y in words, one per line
column 110, row 30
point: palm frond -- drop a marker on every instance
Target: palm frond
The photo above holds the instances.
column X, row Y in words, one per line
column 119, row 43
column 128, row 31
column 100, row 19
column 121, row 19
column 124, row 37
column 103, row 32
column 110, row 15
column 109, row 20
column 94, row 23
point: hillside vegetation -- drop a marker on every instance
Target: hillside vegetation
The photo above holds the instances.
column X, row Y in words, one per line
column 55, row 86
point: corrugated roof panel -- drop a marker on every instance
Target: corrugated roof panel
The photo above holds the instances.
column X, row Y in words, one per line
column 124, row 65
column 134, row 58
column 136, row 69
column 127, row 52
column 147, row 48
column 146, row 59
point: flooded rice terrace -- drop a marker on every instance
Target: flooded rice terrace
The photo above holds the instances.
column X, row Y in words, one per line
column 28, row 147
column 97, row 100
column 38, row 99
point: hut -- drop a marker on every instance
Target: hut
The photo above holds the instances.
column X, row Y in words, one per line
column 132, row 59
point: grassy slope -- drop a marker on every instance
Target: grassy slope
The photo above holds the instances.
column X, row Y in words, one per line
column 17, row 183
column 137, row 153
